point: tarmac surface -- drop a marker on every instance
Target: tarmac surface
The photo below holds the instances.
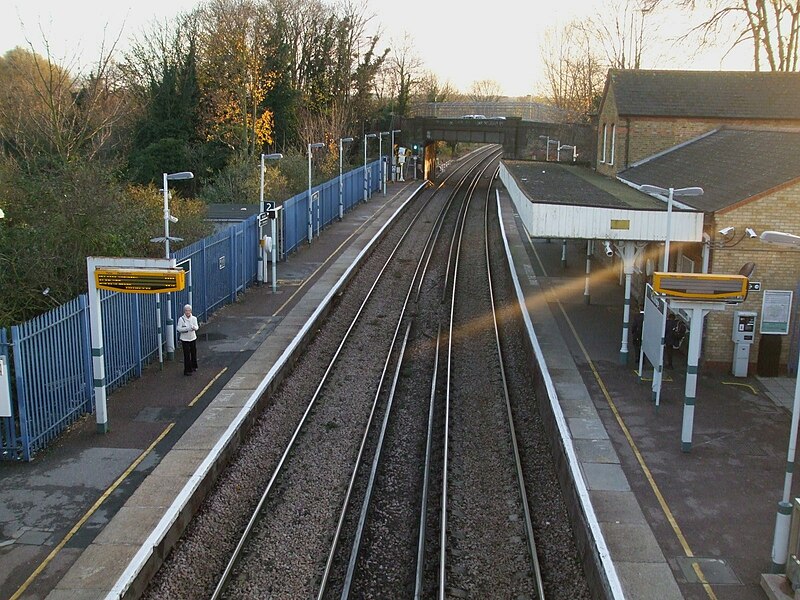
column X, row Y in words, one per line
column 710, row 511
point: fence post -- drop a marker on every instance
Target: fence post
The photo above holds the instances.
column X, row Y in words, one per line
column 86, row 344
column 203, row 262
column 232, row 268
column 24, row 426
column 137, row 327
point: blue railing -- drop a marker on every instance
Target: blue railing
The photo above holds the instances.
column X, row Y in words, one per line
column 52, row 374
column 50, row 355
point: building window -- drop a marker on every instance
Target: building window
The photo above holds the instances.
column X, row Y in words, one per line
column 685, row 264
column 603, row 155
column 613, row 142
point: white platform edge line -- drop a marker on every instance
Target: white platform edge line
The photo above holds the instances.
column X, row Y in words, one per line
column 146, row 549
column 583, row 493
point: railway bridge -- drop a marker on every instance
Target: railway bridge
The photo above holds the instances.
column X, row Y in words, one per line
column 520, row 138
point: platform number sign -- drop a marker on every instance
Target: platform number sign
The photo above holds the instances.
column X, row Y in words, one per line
column 270, row 213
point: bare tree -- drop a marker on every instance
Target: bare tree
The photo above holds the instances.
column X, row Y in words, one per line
column 771, row 26
column 404, row 70
column 621, row 32
column 49, row 110
column 574, row 73
column 432, row 90
column 485, row 90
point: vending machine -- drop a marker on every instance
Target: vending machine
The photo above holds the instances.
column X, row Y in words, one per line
column 743, row 335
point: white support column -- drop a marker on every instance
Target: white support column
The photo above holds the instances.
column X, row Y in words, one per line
column 98, row 359
column 586, row 297
column 690, row 391
column 260, row 272
column 309, row 215
column 698, row 312
column 564, row 254
column 274, row 253
column 628, row 252
column 189, row 284
column 159, row 331
column 626, row 319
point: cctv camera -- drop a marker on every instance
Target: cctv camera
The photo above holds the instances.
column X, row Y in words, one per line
column 173, row 219
column 727, row 231
column 608, row 248
column 750, row 233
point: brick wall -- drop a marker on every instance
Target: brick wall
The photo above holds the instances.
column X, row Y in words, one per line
column 777, row 268
column 608, row 117
column 638, row 138
column 651, row 136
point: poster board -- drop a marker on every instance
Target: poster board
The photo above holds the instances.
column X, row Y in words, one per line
column 776, row 310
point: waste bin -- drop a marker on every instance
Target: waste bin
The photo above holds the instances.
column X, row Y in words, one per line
column 769, row 355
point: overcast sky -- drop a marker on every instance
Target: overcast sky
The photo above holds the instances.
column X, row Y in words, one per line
column 455, row 41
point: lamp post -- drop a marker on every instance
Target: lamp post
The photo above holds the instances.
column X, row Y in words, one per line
column 366, row 186
column 394, row 167
column 783, row 518
column 261, row 275
column 168, row 218
column 341, row 183
column 567, row 147
column 547, row 147
column 310, row 216
column 380, row 159
column 670, row 193
column 691, row 368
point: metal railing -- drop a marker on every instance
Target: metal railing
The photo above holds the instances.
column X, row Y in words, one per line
column 50, row 356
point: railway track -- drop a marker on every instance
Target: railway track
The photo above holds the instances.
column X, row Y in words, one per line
column 401, row 476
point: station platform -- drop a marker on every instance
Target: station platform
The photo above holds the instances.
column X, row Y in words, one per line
column 79, row 520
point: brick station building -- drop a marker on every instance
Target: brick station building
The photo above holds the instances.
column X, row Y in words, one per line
column 736, row 135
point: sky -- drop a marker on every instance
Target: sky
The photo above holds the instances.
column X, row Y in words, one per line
column 458, row 43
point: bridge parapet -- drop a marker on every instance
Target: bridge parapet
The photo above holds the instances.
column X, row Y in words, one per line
column 520, row 139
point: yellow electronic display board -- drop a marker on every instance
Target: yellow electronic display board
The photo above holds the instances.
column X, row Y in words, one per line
column 701, row 286
column 140, row 281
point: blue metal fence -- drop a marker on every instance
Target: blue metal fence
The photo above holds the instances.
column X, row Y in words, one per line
column 50, row 356
column 295, row 209
column 55, row 349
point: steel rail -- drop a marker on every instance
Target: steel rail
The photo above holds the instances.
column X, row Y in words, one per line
column 418, row 276
column 531, row 537
column 453, row 260
column 420, row 571
column 237, row 554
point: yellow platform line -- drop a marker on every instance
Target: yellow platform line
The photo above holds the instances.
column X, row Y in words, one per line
column 634, row 448
column 205, row 389
column 88, row 514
